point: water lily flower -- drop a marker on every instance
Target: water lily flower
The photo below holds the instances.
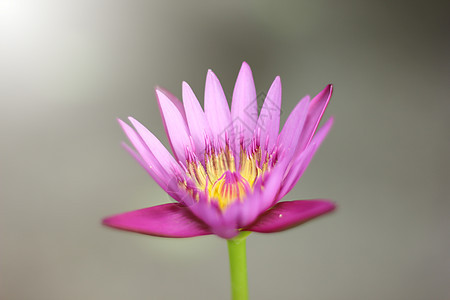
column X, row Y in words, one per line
column 230, row 168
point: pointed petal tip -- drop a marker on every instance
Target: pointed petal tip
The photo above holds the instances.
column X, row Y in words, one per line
column 245, row 64
column 245, row 68
column 122, row 123
column 185, row 87
column 276, row 86
column 165, row 96
column 327, row 204
column 132, row 120
column 159, row 92
column 324, row 97
column 328, row 90
column 210, row 75
column 162, row 91
column 302, row 105
column 107, row 221
column 327, row 126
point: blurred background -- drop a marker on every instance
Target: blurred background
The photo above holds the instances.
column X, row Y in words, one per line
column 68, row 69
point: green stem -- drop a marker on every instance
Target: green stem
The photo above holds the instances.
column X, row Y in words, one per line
column 238, row 266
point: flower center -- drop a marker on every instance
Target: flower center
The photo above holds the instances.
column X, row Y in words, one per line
column 231, row 186
column 217, row 175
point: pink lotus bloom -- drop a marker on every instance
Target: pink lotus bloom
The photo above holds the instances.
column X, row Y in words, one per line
column 230, row 168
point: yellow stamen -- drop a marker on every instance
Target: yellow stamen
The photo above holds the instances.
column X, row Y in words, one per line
column 228, row 189
column 218, row 176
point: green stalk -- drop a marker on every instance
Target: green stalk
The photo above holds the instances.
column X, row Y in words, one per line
column 238, row 266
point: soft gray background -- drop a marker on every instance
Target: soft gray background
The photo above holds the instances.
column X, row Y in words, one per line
column 68, row 69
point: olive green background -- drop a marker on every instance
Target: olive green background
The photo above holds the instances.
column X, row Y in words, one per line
column 68, row 69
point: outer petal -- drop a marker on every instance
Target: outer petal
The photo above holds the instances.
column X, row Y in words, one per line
column 315, row 112
column 244, row 107
column 175, row 102
column 269, row 118
column 302, row 161
column 196, row 119
column 155, row 146
column 167, row 220
column 293, row 127
column 166, row 182
column 216, row 108
column 151, row 171
column 289, row 214
column 176, row 128
column 146, row 155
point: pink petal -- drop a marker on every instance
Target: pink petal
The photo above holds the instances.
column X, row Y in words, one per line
column 176, row 128
column 244, row 107
column 155, row 146
column 175, row 102
column 220, row 224
column 160, row 181
column 290, row 134
column 289, row 214
column 261, row 199
column 269, row 118
column 167, row 220
column 167, row 183
column 216, row 108
column 316, row 109
column 302, row 161
column 145, row 153
column 196, row 119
